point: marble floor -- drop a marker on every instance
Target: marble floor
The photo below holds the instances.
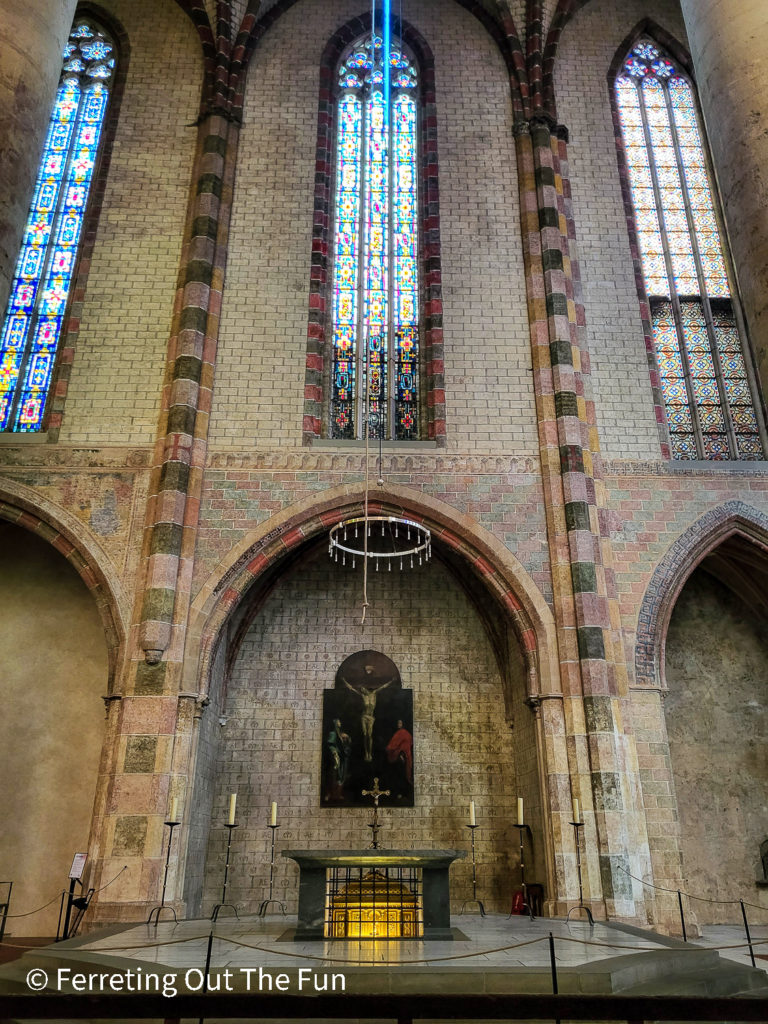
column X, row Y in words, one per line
column 492, row 941
column 490, row 947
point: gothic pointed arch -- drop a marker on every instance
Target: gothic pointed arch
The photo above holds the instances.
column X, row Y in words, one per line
column 733, row 520
column 500, row 575
column 55, row 525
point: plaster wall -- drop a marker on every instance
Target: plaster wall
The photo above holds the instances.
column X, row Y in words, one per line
column 717, row 720
column 620, row 378
column 258, row 400
column 270, row 747
column 52, row 724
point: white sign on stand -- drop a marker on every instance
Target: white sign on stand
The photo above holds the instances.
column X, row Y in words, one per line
column 78, row 865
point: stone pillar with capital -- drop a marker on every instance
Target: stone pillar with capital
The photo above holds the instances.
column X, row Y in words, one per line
column 32, row 38
column 727, row 41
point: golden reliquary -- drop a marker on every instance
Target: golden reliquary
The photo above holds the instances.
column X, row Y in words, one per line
column 375, row 907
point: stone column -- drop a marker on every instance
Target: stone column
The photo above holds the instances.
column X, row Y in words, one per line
column 727, row 40
column 32, row 37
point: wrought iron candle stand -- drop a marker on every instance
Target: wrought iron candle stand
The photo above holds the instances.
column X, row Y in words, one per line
column 581, row 906
column 474, row 876
column 156, row 911
column 279, row 903
column 220, row 906
column 522, row 829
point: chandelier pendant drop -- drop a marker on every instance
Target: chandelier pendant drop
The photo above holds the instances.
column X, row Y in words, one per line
column 379, row 540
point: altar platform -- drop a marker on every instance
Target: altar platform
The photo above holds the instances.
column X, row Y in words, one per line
column 494, row 955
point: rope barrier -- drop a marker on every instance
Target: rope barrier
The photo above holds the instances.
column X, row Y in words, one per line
column 29, row 913
column 59, row 894
column 307, row 956
column 407, row 963
column 691, row 896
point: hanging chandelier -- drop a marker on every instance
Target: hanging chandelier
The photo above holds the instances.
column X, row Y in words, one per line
column 389, row 540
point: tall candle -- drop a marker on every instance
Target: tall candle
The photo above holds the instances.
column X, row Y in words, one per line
column 232, row 805
column 273, row 814
column 520, row 819
column 576, row 810
column 174, row 808
column 472, row 812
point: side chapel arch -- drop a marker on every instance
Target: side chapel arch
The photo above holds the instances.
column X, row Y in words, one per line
column 26, row 508
column 258, row 564
column 672, row 573
column 66, row 635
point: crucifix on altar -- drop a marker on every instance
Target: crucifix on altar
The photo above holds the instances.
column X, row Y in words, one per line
column 375, row 793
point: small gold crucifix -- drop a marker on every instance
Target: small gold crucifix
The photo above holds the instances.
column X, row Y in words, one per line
column 375, row 793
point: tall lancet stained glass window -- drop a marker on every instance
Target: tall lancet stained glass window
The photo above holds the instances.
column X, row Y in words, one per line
column 375, row 302
column 709, row 401
column 43, row 278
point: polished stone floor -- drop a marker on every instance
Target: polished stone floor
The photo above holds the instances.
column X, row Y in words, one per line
column 494, row 953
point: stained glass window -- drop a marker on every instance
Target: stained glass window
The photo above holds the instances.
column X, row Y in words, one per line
column 375, row 303
column 709, row 402
column 43, row 276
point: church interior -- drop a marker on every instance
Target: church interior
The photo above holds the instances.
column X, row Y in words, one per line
column 384, row 465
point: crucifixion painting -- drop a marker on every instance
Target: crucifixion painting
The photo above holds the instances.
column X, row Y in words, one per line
column 367, row 733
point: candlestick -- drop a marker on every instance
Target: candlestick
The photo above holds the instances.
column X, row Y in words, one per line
column 263, row 908
column 156, row 911
column 577, row 826
column 273, row 815
column 472, row 826
column 230, row 826
column 522, row 829
column 520, row 818
column 232, row 805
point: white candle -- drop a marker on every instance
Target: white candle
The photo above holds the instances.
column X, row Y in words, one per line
column 174, row 808
column 232, row 805
column 576, row 810
column 472, row 812
column 273, row 814
column 520, row 819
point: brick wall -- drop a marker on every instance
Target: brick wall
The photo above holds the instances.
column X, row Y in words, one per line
column 623, row 399
column 271, row 744
column 260, row 374
column 114, row 392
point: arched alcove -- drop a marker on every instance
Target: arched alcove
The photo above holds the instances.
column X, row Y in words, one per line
column 716, row 709
column 262, row 734
column 55, row 672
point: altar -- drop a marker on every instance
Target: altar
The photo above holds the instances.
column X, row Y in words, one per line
column 374, row 894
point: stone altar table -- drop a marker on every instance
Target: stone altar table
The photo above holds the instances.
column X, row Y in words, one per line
column 427, row 867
